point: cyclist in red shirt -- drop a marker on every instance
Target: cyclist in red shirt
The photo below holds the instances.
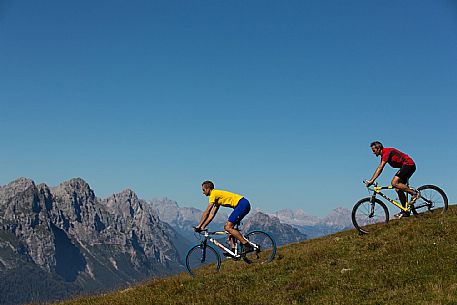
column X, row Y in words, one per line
column 406, row 166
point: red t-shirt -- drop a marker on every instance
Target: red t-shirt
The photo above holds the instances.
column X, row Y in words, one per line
column 395, row 158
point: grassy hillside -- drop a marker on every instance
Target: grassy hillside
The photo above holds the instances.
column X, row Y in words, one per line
column 411, row 261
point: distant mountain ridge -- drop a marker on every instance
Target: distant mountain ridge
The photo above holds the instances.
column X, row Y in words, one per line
column 308, row 226
column 339, row 217
column 337, row 220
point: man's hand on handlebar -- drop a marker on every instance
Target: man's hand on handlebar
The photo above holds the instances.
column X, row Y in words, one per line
column 368, row 183
column 198, row 229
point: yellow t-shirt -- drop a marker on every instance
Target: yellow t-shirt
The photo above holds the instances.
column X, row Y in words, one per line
column 224, row 198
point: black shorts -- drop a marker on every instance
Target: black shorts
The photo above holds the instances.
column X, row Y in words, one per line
column 405, row 172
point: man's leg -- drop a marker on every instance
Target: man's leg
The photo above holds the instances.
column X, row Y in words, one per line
column 402, row 197
column 401, row 177
column 229, row 227
column 240, row 211
column 400, row 186
column 232, row 242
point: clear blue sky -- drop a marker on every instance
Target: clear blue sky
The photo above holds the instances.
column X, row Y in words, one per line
column 276, row 100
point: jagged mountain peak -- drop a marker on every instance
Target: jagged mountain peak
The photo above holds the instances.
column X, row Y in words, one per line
column 77, row 189
column 22, row 181
column 18, row 195
column 262, row 217
column 75, row 183
column 126, row 196
column 164, row 202
column 19, row 184
column 128, row 192
column 339, row 217
column 126, row 203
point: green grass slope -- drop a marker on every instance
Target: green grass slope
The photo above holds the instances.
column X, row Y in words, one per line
column 410, row 261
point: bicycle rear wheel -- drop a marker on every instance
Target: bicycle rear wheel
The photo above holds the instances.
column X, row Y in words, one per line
column 432, row 199
column 202, row 260
column 265, row 251
column 366, row 214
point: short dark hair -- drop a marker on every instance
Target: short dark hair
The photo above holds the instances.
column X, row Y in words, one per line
column 376, row 144
column 209, row 184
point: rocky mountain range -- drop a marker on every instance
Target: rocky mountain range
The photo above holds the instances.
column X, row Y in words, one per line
column 57, row 242
column 337, row 220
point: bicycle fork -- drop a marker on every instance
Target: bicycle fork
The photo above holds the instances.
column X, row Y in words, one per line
column 203, row 246
column 372, row 201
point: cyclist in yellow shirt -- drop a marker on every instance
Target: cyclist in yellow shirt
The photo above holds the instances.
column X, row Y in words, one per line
column 238, row 203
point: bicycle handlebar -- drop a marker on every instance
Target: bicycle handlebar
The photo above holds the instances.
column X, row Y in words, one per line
column 365, row 182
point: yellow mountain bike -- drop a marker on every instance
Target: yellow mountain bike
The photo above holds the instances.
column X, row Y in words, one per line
column 371, row 210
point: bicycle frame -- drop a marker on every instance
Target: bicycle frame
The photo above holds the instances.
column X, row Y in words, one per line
column 377, row 190
column 207, row 235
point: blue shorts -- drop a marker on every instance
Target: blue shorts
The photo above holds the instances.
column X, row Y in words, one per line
column 242, row 209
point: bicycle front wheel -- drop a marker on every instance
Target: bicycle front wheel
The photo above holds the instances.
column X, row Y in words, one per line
column 366, row 214
column 432, row 199
column 202, row 260
column 265, row 248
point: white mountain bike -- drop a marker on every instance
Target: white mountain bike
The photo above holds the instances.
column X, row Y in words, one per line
column 204, row 259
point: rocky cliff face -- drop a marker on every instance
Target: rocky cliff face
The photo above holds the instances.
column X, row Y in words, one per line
column 23, row 219
column 179, row 217
column 72, row 238
column 282, row 233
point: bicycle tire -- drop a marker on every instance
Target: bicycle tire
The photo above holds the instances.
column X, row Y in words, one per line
column 361, row 218
column 266, row 251
column 195, row 264
column 433, row 199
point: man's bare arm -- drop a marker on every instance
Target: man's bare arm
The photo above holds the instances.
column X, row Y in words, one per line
column 205, row 215
column 211, row 215
column 377, row 172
